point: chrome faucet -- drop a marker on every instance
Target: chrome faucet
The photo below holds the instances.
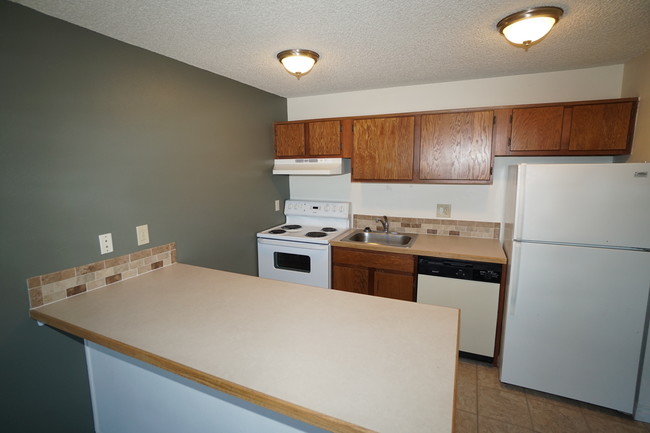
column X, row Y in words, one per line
column 384, row 222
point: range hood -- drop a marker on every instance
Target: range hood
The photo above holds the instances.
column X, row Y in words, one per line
column 312, row 166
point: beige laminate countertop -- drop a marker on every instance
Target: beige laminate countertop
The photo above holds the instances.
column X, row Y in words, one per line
column 337, row 360
column 449, row 247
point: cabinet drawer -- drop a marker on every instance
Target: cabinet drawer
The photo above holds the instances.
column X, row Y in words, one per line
column 372, row 259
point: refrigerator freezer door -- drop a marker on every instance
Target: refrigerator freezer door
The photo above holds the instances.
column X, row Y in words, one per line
column 599, row 204
column 574, row 322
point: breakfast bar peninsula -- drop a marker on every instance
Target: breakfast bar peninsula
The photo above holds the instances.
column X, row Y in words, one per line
column 209, row 350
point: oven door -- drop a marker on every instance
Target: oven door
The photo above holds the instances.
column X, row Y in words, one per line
column 295, row 262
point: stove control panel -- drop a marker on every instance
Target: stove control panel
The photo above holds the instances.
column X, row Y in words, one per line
column 332, row 209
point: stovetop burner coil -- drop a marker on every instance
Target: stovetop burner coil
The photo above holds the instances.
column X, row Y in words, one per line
column 291, row 227
column 316, row 234
column 277, row 231
column 328, row 229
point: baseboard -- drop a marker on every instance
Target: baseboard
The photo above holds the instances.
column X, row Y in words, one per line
column 642, row 414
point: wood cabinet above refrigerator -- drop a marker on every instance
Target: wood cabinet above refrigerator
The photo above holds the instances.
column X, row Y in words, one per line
column 574, row 128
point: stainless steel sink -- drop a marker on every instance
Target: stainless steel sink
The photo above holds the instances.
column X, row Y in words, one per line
column 381, row 238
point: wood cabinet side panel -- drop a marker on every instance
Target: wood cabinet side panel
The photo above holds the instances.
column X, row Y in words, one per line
column 500, row 313
column 383, row 148
column 600, row 126
column 324, row 138
column 346, row 138
column 501, row 131
column 456, row 146
column 536, row 128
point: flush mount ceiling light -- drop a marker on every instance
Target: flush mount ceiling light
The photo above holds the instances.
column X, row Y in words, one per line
column 528, row 27
column 298, row 62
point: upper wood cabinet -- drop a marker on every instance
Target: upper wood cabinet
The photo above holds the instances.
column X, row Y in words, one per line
column 576, row 128
column 601, row 127
column 290, row 140
column 383, row 148
column 324, row 138
column 456, row 146
column 536, row 128
column 321, row 139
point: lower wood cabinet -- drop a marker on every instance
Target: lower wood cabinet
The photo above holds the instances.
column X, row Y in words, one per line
column 374, row 273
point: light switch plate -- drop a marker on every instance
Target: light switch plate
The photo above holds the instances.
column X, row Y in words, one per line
column 106, row 243
column 443, row 210
column 142, row 233
column 277, row 205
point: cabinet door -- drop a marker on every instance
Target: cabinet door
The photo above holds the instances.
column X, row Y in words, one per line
column 456, row 146
column 395, row 286
column 536, row 128
column 600, row 126
column 351, row 279
column 383, row 148
column 324, row 138
column 290, row 140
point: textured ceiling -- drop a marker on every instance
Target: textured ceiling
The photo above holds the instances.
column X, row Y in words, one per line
column 363, row 44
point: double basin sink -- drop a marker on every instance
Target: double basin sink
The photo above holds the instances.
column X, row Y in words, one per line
column 381, row 238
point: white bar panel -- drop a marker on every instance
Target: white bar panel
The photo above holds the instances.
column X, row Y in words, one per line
column 130, row 396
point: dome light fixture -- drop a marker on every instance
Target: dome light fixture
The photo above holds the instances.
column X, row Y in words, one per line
column 528, row 27
column 298, row 62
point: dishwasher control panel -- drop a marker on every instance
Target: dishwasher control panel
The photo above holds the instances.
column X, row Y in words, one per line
column 460, row 269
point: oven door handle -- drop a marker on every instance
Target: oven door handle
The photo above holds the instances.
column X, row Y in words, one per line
column 290, row 244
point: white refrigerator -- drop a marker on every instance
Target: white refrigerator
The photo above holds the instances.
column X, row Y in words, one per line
column 577, row 238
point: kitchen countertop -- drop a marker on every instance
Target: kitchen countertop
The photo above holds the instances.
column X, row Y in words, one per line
column 449, row 247
column 341, row 361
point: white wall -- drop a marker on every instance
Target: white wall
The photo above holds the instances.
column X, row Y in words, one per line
column 581, row 84
column 636, row 82
column 469, row 202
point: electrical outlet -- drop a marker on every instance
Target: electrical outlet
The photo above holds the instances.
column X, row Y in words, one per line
column 443, row 210
column 106, row 243
column 277, row 205
column 142, row 233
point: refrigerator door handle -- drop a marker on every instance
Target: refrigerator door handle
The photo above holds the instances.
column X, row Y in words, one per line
column 514, row 278
column 579, row 245
column 520, row 197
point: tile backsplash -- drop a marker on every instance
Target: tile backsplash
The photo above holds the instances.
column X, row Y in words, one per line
column 442, row 227
column 48, row 288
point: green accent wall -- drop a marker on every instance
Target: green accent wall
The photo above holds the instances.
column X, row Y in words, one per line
column 98, row 136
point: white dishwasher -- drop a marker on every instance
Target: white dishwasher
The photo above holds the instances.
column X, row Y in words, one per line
column 472, row 287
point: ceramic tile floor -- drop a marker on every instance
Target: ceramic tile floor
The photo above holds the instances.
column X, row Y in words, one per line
column 485, row 405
